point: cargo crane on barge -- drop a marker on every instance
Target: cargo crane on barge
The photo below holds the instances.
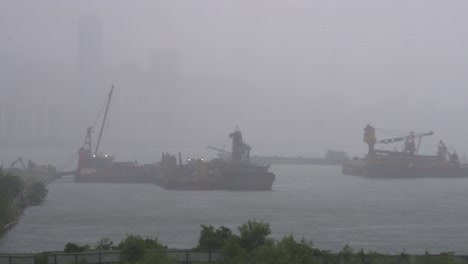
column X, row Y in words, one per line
column 410, row 148
column 88, row 162
column 97, row 167
column 406, row 163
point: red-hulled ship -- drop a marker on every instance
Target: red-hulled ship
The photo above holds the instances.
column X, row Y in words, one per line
column 97, row 167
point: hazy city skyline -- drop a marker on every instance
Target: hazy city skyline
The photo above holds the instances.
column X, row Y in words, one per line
column 297, row 77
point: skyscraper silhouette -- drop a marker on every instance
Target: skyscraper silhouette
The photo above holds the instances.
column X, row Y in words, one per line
column 90, row 51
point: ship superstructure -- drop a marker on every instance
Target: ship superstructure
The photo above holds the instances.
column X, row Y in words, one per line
column 238, row 173
column 407, row 163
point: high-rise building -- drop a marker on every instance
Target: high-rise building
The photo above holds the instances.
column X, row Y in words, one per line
column 10, row 124
column 90, row 52
column 40, row 123
column 165, row 78
column 89, row 44
column 1, row 124
column 53, row 125
column 164, row 68
column 24, row 122
column 90, row 69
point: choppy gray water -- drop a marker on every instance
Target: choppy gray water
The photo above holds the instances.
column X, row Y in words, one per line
column 314, row 202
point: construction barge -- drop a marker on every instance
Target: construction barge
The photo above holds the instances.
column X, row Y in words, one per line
column 237, row 174
column 406, row 163
column 98, row 167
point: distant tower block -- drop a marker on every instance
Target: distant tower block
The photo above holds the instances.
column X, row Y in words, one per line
column 164, row 68
column 24, row 124
column 1, row 125
column 165, row 73
column 53, row 124
column 10, row 124
column 40, row 122
column 89, row 49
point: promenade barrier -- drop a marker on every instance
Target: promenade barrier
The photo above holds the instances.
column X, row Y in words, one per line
column 194, row 257
column 17, row 259
column 112, row 256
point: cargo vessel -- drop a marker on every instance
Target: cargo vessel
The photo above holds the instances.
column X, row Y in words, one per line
column 97, row 167
column 236, row 174
column 406, row 163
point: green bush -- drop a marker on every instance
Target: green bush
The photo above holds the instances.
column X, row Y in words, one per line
column 72, row 248
column 133, row 247
column 211, row 239
column 254, row 246
column 285, row 251
column 37, row 193
column 10, row 189
column 105, row 244
column 156, row 257
column 233, row 251
column 40, row 258
column 253, row 234
column 10, row 186
column 435, row 259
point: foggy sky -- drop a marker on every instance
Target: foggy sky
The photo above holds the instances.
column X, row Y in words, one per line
column 297, row 77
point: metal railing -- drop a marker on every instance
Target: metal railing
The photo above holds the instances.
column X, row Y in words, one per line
column 17, row 259
column 112, row 256
column 192, row 257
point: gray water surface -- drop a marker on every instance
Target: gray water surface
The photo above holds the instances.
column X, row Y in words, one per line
column 314, row 202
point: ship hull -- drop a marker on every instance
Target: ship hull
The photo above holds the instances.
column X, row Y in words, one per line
column 241, row 178
column 406, row 170
column 117, row 175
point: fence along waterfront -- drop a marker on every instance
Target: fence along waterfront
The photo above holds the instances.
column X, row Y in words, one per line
column 114, row 256
column 191, row 256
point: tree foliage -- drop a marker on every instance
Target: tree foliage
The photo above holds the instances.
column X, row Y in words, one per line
column 73, row 248
column 254, row 246
column 432, row 259
column 105, row 244
column 285, row 251
column 134, row 246
column 253, row 234
column 37, row 193
column 211, row 239
column 10, row 186
column 156, row 257
column 10, row 189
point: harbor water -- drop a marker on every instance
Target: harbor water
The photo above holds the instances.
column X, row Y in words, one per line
column 317, row 203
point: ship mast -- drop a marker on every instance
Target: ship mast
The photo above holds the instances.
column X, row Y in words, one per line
column 104, row 120
column 87, row 144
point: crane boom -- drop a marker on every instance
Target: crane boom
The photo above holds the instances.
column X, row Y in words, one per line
column 392, row 140
column 20, row 160
column 104, row 120
column 219, row 150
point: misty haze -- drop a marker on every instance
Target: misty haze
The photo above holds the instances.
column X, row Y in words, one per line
column 341, row 122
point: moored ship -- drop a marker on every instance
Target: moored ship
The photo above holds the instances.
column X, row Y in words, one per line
column 406, row 163
column 237, row 174
column 97, row 167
